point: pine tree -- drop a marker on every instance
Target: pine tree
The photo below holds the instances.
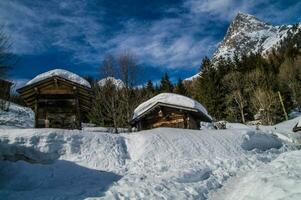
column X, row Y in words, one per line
column 180, row 88
column 150, row 90
column 165, row 84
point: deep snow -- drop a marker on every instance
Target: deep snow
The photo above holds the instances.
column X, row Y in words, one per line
column 16, row 117
column 161, row 163
column 170, row 98
column 277, row 180
column 61, row 73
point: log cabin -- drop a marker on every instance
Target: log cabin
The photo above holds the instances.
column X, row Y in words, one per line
column 60, row 99
column 169, row 110
column 5, row 88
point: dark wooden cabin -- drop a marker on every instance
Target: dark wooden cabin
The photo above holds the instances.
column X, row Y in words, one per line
column 57, row 102
column 5, row 87
column 163, row 114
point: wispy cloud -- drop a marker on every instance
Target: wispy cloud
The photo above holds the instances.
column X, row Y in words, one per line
column 179, row 38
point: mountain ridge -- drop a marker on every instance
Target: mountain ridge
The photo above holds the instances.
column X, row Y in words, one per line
column 247, row 34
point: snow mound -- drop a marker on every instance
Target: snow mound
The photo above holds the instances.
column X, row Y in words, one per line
column 284, row 130
column 277, row 180
column 162, row 163
column 63, row 74
column 17, row 116
column 170, row 98
column 253, row 140
column 117, row 82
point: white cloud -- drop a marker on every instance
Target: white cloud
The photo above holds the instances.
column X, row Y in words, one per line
column 172, row 42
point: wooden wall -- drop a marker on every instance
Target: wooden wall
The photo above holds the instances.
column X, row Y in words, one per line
column 168, row 117
column 57, row 103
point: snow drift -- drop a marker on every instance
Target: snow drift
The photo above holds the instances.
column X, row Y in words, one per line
column 162, row 163
column 17, row 117
column 277, row 180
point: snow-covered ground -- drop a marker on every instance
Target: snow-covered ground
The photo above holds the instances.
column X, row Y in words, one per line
column 16, row 117
column 280, row 179
column 162, row 163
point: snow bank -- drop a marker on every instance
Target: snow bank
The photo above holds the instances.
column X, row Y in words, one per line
column 277, row 180
column 63, row 74
column 253, row 140
column 284, row 130
column 170, row 98
column 17, row 116
column 117, row 82
column 162, row 163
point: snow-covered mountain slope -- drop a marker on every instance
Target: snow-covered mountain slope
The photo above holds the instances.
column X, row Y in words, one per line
column 248, row 34
column 61, row 73
column 117, row 82
column 17, row 117
column 162, row 163
column 277, row 180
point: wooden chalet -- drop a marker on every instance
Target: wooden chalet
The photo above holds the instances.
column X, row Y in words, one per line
column 57, row 102
column 5, row 87
column 169, row 110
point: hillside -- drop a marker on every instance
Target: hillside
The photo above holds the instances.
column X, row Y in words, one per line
column 161, row 163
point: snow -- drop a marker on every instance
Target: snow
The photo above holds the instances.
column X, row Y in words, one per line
column 63, row 74
column 162, row 163
column 277, row 180
column 170, row 98
column 247, row 34
column 284, row 130
column 117, row 82
column 192, row 77
column 17, row 116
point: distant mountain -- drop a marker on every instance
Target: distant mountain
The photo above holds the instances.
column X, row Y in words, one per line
column 248, row 34
column 117, row 82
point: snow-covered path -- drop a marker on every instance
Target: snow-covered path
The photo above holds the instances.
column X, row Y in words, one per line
column 162, row 163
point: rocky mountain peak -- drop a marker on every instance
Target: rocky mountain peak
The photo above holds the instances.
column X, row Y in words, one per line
column 246, row 34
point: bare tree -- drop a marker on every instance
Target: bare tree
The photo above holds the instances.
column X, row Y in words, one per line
column 263, row 99
column 128, row 69
column 5, row 59
column 114, row 105
column 290, row 76
column 235, row 84
column 5, row 55
column 267, row 101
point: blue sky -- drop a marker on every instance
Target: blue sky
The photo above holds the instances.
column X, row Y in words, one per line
column 165, row 35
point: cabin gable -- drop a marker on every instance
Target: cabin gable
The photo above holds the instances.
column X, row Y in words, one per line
column 57, row 102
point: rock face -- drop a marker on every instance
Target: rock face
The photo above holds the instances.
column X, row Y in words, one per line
column 248, row 34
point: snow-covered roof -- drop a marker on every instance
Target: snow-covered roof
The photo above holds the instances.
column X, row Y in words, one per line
column 60, row 73
column 171, row 99
column 117, row 82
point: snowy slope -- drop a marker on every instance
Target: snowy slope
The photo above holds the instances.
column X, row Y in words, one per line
column 17, row 116
column 248, row 34
column 117, row 82
column 277, row 180
column 161, row 163
column 284, row 130
column 170, row 98
column 61, row 73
